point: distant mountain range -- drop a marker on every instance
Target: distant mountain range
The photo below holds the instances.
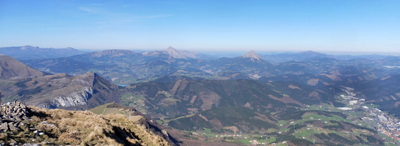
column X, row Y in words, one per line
column 125, row 67
column 277, row 105
column 31, row 52
column 173, row 53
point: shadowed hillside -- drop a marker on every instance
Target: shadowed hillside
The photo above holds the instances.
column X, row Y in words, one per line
column 11, row 68
column 177, row 96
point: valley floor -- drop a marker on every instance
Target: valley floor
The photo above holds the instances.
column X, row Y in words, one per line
column 367, row 117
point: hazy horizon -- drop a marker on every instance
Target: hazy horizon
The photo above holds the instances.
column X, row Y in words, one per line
column 238, row 52
column 288, row 26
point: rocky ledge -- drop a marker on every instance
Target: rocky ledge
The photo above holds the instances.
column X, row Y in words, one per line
column 15, row 118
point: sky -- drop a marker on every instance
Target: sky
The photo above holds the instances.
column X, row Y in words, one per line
column 204, row 25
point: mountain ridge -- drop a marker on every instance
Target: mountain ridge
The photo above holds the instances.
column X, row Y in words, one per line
column 31, row 52
column 173, row 53
column 114, row 53
column 11, row 68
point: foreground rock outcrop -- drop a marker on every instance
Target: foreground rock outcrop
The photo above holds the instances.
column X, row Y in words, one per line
column 21, row 124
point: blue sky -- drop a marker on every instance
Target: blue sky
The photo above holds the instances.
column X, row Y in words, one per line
column 261, row 25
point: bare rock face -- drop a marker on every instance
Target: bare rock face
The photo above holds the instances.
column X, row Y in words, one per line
column 75, row 91
column 73, row 99
column 252, row 55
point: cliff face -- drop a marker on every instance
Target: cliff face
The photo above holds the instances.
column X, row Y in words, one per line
column 73, row 99
column 23, row 83
column 62, row 91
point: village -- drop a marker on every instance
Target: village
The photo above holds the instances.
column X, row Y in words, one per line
column 374, row 117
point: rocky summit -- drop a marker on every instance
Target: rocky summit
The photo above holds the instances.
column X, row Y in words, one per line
column 15, row 119
column 12, row 116
column 28, row 125
column 180, row 53
column 252, row 55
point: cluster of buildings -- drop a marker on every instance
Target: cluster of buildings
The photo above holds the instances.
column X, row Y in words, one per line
column 378, row 119
column 385, row 124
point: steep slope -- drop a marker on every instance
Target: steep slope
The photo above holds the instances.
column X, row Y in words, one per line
column 60, row 90
column 30, row 52
column 11, row 68
column 384, row 92
column 135, row 117
column 227, row 119
column 172, row 96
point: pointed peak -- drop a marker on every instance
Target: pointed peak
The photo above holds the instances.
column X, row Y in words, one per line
column 174, row 53
column 170, row 50
column 252, row 55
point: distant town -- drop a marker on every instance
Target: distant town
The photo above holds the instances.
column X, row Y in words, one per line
column 380, row 121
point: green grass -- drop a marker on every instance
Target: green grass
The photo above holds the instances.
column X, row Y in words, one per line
column 186, row 116
column 388, row 139
column 270, row 130
column 271, row 139
column 245, row 141
column 207, row 130
column 283, row 122
column 303, row 132
column 315, row 116
column 331, row 107
column 165, row 93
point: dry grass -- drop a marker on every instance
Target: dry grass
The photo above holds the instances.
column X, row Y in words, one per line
column 87, row 128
